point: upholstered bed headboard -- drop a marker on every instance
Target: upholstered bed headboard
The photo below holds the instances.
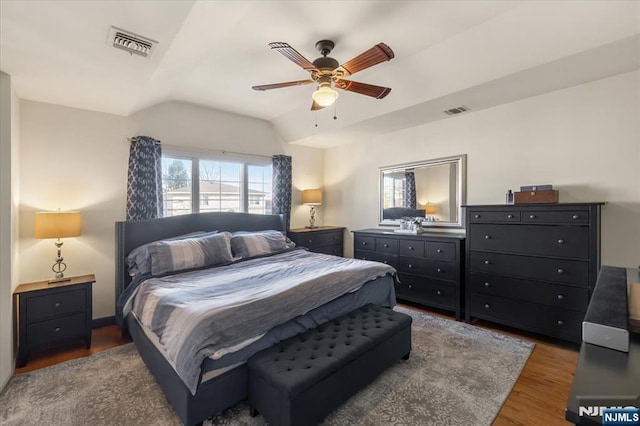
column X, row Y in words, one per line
column 130, row 235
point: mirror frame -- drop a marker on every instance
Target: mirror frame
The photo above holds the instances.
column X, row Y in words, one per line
column 460, row 160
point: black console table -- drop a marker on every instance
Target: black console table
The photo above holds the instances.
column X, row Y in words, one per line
column 603, row 372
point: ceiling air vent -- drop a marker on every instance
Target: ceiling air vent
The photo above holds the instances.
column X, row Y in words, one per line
column 130, row 42
column 457, row 110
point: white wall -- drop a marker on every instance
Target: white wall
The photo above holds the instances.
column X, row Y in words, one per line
column 74, row 159
column 9, row 137
column 584, row 140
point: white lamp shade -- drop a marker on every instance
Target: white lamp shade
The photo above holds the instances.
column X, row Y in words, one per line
column 312, row 197
column 58, row 224
column 324, row 96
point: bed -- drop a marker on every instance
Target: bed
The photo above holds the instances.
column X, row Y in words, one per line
column 220, row 373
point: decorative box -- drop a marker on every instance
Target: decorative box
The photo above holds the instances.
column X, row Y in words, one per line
column 536, row 197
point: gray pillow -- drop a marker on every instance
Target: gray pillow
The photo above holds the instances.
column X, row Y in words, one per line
column 250, row 244
column 189, row 253
column 139, row 260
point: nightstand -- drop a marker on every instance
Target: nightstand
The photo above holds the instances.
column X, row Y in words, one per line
column 322, row 239
column 50, row 314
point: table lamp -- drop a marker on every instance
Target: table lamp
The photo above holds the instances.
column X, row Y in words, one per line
column 312, row 197
column 58, row 225
column 430, row 210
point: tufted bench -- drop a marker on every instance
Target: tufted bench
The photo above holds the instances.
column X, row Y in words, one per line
column 301, row 380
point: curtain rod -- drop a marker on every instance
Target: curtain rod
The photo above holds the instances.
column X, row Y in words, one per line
column 223, row 151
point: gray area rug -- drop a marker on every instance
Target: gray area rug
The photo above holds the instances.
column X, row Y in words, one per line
column 458, row 374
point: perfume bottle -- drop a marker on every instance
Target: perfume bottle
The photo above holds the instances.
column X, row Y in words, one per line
column 509, row 197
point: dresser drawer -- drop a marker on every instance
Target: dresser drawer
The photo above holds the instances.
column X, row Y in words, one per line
column 387, row 245
column 425, row 290
column 332, row 250
column 564, row 217
column 494, row 216
column 431, row 268
column 411, row 248
column 55, row 330
column 56, row 304
column 441, row 251
column 388, row 259
column 555, row 295
column 555, row 270
column 546, row 240
column 322, row 239
column 364, row 242
column 536, row 317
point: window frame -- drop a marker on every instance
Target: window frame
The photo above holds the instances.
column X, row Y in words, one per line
column 195, row 156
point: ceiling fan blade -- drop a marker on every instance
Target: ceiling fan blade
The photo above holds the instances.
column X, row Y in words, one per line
column 377, row 54
column 292, row 54
column 279, row 85
column 377, row 92
column 315, row 106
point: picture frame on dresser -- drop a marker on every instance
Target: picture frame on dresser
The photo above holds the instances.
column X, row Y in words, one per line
column 532, row 266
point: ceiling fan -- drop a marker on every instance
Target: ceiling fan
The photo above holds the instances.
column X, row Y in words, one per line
column 328, row 72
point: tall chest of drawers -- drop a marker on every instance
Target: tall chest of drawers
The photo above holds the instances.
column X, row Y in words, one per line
column 533, row 266
column 429, row 265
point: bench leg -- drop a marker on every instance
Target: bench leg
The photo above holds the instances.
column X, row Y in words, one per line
column 253, row 412
column 406, row 357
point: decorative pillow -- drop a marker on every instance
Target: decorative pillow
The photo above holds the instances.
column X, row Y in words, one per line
column 189, row 253
column 139, row 260
column 251, row 244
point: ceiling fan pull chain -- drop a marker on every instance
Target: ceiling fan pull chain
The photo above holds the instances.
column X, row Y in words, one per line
column 335, row 110
column 316, row 115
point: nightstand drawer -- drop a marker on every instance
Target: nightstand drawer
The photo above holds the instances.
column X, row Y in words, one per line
column 56, row 304
column 318, row 239
column 56, row 330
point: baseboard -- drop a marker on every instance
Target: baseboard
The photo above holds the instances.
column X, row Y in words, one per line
column 103, row 322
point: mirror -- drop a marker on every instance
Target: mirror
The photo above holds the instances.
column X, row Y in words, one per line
column 432, row 189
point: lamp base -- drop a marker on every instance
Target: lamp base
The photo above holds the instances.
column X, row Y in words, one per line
column 311, row 227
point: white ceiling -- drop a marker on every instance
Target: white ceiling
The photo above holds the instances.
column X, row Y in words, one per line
column 210, row 53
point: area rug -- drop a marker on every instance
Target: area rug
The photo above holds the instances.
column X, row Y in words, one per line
column 457, row 374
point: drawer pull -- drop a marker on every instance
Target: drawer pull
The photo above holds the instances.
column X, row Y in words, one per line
column 532, row 216
column 57, row 305
column 486, row 284
column 410, row 248
column 364, row 258
column 410, row 286
column 487, row 237
column 487, row 306
column 560, row 322
column 439, row 251
column 560, row 271
column 410, row 266
column 386, row 245
column 509, row 216
column 310, row 241
column 477, row 216
column 385, row 262
column 364, row 243
column 438, row 292
column 575, row 216
column 561, row 241
column 560, row 297
column 439, row 270
column 57, row 329
column 487, row 262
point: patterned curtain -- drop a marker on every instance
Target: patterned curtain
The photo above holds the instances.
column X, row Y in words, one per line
column 409, row 189
column 281, row 203
column 144, row 180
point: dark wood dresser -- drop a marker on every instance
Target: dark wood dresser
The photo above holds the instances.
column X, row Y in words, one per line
column 532, row 266
column 429, row 264
column 51, row 314
column 322, row 239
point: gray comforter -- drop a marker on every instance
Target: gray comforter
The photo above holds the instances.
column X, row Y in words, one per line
column 211, row 312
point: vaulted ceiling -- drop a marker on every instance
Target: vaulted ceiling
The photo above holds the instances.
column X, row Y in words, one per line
column 447, row 53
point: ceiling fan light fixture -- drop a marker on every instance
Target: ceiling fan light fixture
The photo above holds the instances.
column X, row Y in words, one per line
column 325, row 95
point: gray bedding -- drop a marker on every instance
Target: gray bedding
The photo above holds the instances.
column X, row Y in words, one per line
column 213, row 312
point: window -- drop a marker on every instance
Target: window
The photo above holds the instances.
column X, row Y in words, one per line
column 393, row 191
column 197, row 183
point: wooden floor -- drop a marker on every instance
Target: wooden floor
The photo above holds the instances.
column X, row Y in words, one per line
column 538, row 397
